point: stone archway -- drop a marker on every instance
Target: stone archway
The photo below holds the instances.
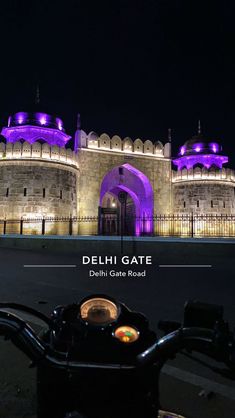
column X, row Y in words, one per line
column 139, row 192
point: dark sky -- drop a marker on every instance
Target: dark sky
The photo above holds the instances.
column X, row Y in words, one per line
column 132, row 68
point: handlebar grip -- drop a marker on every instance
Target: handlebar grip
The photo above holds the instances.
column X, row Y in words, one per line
column 231, row 359
column 22, row 335
column 196, row 339
column 31, row 311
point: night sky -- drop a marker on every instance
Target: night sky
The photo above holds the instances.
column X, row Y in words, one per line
column 133, row 68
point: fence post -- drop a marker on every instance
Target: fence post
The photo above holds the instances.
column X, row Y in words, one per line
column 192, row 226
column 118, row 223
column 21, row 226
column 99, row 221
column 43, row 226
column 70, row 225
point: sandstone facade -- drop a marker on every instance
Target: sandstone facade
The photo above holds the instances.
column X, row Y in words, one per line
column 203, row 191
column 37, row 188
column 38, row 180
column 94, row 165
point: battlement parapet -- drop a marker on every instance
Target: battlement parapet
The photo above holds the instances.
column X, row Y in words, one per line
column 25, row 150
column 198, row 173
column 115, row 144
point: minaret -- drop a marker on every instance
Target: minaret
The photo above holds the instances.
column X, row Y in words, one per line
column 77, row 137
column 167, row 146
column 169, row 135
column 78, row 121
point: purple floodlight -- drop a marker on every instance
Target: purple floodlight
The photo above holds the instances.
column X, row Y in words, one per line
column 20, row 118
column 197, row 147
column 42, row 118
column 207, row 160
column 137, row 185
column 182, row 150
column 59, row 124
column 214, row 147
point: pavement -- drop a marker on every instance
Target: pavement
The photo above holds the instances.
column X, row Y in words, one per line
column 187, row 387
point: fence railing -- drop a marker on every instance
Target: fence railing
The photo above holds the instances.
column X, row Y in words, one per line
column 180, row 225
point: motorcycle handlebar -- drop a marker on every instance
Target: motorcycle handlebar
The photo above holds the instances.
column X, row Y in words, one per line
column 197, row 339
column 193, row 339
column 27, row 309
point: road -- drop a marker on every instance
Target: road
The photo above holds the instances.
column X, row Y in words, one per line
column 34, row 278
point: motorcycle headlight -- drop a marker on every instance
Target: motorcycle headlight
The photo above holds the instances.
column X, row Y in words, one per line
column 126, row 334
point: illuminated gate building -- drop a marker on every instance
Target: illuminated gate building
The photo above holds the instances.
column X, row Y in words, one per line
column 44, row 173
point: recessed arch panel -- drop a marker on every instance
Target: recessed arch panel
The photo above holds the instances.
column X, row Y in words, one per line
column 131, row 180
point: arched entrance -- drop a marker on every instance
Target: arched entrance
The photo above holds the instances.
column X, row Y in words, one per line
column 126, row 202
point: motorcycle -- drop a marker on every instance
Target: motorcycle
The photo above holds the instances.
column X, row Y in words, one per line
column 99, row 359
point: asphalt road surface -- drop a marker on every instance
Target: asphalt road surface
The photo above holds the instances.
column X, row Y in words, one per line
column 44, row 279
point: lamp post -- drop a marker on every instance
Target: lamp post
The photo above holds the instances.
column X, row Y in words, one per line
column 122, row 196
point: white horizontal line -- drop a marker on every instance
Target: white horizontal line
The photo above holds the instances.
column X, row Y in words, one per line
column 202, row 382
column 50, row 265
column 185, row 265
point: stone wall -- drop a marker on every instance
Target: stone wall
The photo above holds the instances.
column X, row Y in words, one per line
column 38, row 180
column 204, row 197
column 36, row 188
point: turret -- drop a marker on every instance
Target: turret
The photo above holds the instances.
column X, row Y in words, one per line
column 34, row 126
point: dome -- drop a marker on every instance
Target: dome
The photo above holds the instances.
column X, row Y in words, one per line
column 35, row 119
column 200, row 150
column 196, row 138
column 35, row 126
column 199, row 144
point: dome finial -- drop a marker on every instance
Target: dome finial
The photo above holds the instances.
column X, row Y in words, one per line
column 169, row 134
column 199, row 131
column 78, row 121
column 37, row 97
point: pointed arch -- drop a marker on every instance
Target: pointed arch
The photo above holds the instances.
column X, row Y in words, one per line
column 139, row 188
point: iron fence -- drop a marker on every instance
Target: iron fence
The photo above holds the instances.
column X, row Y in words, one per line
column 179, row 225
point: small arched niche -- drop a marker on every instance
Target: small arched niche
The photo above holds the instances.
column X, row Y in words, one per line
column 138, row 145
column 105, row 141
column 116, row 143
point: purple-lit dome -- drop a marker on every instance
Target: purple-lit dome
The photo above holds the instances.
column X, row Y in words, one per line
column 200, row 150
column 35, row 119
column 199, row 144
column 35, row 126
